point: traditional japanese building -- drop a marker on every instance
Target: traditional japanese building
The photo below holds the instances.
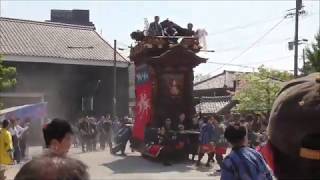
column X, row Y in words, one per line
column 214, row 95
column 67, row 65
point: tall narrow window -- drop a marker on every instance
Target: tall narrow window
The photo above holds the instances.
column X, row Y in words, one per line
column 87, row 104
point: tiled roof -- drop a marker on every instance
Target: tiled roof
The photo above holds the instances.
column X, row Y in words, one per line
column 55, row 40
column 214, row 104
column 226, row 78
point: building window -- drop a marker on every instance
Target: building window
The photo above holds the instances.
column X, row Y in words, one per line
column 87, row 104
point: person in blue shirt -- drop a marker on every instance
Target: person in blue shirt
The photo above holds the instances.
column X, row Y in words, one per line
column 206, row 141
column 122, row 137
column 243, row 163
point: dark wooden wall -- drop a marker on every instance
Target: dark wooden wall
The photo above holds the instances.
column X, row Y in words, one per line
column 64, row 85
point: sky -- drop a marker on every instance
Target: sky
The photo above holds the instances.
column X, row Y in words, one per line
column 241, row 32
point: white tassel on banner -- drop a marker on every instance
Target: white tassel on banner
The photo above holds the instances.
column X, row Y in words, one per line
column 201, row 34
column 146, row 26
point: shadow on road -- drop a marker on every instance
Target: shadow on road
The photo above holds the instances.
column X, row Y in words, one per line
column 137, row 164
column 204, row 169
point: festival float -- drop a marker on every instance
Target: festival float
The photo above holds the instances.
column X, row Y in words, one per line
column 164, row 86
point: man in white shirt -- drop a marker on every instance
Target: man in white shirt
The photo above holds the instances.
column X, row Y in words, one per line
column 16, row 132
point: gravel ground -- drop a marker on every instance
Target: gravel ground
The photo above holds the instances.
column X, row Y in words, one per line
column 102, row 166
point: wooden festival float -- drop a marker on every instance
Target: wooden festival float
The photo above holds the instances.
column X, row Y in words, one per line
column 164, row 86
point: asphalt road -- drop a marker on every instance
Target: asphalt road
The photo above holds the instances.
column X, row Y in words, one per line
column 104, row 166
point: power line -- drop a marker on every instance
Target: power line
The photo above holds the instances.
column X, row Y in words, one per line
column 253, row 24
column 228, row 64
column 243, row 26
column 239, row 47
column 270, row 60
column 247, row 65
column 253, row 44
column 124, row 44
column 236, row 48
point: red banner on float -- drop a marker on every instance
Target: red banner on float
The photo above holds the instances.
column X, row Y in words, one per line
column 143, row 109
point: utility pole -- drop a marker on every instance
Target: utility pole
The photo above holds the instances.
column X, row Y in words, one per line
column 303, row 57
column 115, row 79
column 298, row 7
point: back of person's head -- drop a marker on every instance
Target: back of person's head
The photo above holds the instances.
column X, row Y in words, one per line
column 12, row 121
column 294, row 129
column 53, row 168
column 5, row 123
column 249, row 118
column 123, row 121
column 216, row 117
column 57, row 129
column 235, row 133
column 167, row 121
column 205, row 119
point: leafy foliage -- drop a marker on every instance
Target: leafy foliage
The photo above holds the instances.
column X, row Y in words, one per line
column 313, row 57
column 7, row 77
column 260, row 89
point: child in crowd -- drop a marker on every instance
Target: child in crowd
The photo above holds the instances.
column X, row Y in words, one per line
column 242, row 162
column 58, row 136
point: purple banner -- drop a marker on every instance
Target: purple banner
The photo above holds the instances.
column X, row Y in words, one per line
column 32, row 111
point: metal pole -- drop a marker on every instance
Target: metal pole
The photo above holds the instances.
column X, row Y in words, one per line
column 298, row 6
column 303, row 57
column 115, row 79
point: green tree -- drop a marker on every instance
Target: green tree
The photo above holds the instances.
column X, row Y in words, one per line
column 313, row 57
column 259, row 89
column 7, row 77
